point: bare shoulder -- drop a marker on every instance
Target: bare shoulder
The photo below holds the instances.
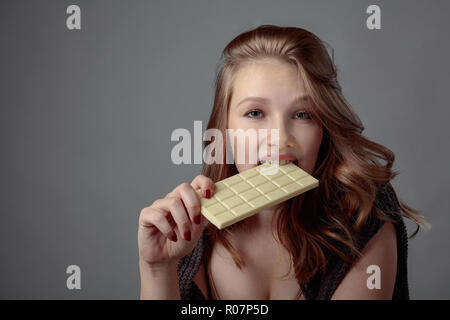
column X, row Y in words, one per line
column 383, row 240
column 378, row 256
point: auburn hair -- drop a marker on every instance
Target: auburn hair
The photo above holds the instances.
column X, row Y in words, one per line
column 348, row 164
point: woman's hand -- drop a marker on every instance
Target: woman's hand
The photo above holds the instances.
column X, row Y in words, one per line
column 170, row 228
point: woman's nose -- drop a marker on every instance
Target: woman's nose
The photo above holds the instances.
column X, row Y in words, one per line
column 285, row 136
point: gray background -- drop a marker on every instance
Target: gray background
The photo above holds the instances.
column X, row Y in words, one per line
column 86, row 118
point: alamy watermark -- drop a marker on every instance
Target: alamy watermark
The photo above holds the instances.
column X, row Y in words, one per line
column 74, row 280
column 259, row 143
column 374, row 280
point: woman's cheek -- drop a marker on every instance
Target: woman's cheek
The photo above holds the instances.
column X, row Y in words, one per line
column 309, row 145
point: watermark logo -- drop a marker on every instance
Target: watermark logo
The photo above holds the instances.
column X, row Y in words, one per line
column 236, row 147
column 74, row 280
column 374, row 20
column 374, row 281
column 73, row 21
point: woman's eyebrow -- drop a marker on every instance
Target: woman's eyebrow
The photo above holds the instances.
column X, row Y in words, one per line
column 300, row 99
column 253, row 98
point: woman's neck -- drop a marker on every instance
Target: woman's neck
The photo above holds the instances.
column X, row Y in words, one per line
column 264, row 221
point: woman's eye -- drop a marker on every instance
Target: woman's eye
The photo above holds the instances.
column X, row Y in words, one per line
column 297, row 115
column 302, row 115
column 254, row 114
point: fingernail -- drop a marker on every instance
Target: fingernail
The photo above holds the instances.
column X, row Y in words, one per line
column 174, row 237
column 187, row 236
column 197, row 219
column 207, row 194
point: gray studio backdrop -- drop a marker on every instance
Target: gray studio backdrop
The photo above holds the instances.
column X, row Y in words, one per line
column 86, row 118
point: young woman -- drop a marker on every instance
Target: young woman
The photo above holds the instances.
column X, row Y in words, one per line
column 343, row 240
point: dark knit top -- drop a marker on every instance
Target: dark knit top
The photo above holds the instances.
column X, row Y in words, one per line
column 323, row 285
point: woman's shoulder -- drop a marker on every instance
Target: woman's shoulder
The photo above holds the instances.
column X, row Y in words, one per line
column 387, row 202
column 376, row 234
column 382, row 244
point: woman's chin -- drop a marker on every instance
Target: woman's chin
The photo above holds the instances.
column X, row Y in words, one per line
column 245, row 167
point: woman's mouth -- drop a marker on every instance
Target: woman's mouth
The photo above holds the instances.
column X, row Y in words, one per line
column 283, row 158
column 282, row 162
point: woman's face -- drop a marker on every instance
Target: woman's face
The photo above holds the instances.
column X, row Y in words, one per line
column 269, row 94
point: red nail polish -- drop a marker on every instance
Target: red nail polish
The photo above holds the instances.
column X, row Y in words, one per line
column 207, row 193
column 174, row 237
column 187, row 236
column 197, row 219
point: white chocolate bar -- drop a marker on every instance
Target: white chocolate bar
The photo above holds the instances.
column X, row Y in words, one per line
column 245, row 194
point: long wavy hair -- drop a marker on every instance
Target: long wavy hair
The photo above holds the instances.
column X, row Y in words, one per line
column 349, row 166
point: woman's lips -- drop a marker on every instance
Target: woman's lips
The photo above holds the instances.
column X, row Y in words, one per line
column 285, row 157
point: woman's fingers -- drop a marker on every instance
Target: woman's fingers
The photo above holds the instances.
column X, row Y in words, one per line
column 191, row 202
column 182, row 206
column 158, row 218
column 176, row 208
column 205, row 184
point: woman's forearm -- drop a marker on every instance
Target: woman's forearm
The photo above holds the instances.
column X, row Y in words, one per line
column 159, row 283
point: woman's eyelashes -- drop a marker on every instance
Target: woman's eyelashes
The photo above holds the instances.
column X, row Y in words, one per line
column 255, row 114
column 303, row 115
